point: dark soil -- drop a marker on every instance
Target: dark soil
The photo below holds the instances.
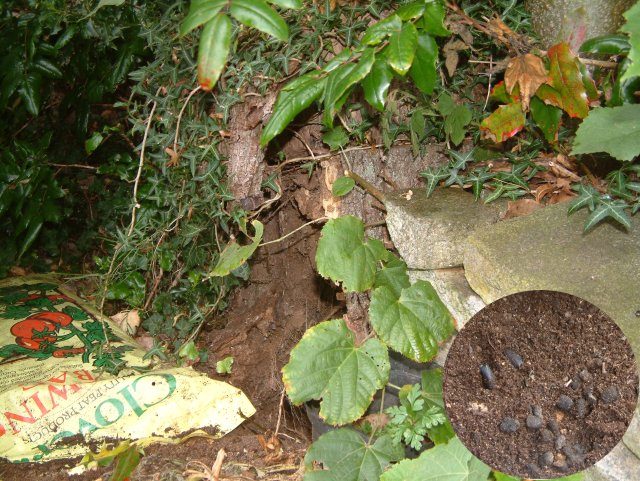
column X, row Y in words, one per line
column 265, row 319
column 566, row 406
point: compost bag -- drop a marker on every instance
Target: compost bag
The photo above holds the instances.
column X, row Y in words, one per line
column 70, row 377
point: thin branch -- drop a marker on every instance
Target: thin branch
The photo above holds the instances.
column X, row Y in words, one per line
column 368, row 187
column 280, row 239
column 136, row 206
column 73, row 166
column 184, row 106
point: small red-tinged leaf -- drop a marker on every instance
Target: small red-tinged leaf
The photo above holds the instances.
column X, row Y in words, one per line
column 565, row 88
column 547, row 117
column 504, row 123
column 126, row 463
column 499, row 94
column 213, row 50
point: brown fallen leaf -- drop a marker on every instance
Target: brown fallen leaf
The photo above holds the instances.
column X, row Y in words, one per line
column 174, row 157
column 451, row 55
column 128, row 321
column 520, row 208
column 529, row 73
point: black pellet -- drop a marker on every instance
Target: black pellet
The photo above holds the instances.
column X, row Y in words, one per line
column 546, row 459
column 581, row 408
column 509, row 425
column 561, row 441
column 514, row 358
column 534, row 422
column 590, row 397
column 576, row 383
column 536, row 410
column 488, row 379
column 561, row 466
column 533, row 470
column 564, row 402
column 553, row 425
column 585, row 375
column 610, row 395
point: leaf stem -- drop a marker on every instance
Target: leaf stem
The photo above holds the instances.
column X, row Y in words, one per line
column 369, row 188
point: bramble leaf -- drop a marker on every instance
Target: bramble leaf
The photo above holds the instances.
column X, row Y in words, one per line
column 342, row 186
column 444, row 462
column 327, row 365
column 376, row 84
column 505, row 122
column 547, row 117
column 565, row 88
column 413, row 322
column 596, row 135
column 345, row 456
column 433, row 19
column 292, row 99
column 213, row 50
column 377, row 32
column 344, row 256
column 200, row 13
column 610, row 44
column 423, row 70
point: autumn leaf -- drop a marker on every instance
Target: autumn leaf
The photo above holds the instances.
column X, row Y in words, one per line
column 565, row 88
column 529, row 73
column 504, row 123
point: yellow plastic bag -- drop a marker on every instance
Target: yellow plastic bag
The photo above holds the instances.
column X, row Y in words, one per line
column 56, row 390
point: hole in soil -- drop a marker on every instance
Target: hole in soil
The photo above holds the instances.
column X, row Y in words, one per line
column 556, row 379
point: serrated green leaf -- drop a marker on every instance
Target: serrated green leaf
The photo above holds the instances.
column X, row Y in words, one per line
column 402, row 48
column 200, row 13
column 423, row 70
column 340, row 82
column 292, row 99
column 48, row 68
column 433, row 177
column 292, row 4
column 411, row 10
column 225, row 365
column 632, row 27
column 234, row 255
column 342, row 455
column 29, row 92
column 432, row 386
column 376, row 84
column 433, row 19
column 344, row 256
column 547, row 118
column 445, row 462
column 257, row 14
column 393, row 276
column 413, row 323
column 377, row 32
column 608, row 209
column 611, row 44
column 213, row 49
column 326, row 364
column 596, row 135
column 335, row 138
column 342, row 186
column 505, row 122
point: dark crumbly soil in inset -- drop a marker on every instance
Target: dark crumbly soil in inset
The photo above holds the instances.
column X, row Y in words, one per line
column 265, row 319
column 522, row 426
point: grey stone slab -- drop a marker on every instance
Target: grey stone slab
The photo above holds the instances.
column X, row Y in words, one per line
column 430, row 233
column 619, row 465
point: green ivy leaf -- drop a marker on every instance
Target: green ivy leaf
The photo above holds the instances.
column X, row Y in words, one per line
column 93, row 142
column 213, row 49
column 445, row 462
column 377, row 32
column 257, row 14
column 234, row 255
column 505, row 122
column 433, row 177
column 433, row 19
column 614, row 209
column 456, row 118
column 335, row 138
column 292, row 99
column 632, row 27
column 547, row 117
column 340, row 82
column 423, row 70
column 342, row 186
column 596, row 135
column 200, row 13
column 376, row 84
column 402, row 48
column 326, row 364
column 344, row 256
column 342, row 455
column 412, row 323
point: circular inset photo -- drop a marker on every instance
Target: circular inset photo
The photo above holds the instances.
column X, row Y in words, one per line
column 540, row 384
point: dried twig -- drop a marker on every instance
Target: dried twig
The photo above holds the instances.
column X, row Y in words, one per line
column 368, row 187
